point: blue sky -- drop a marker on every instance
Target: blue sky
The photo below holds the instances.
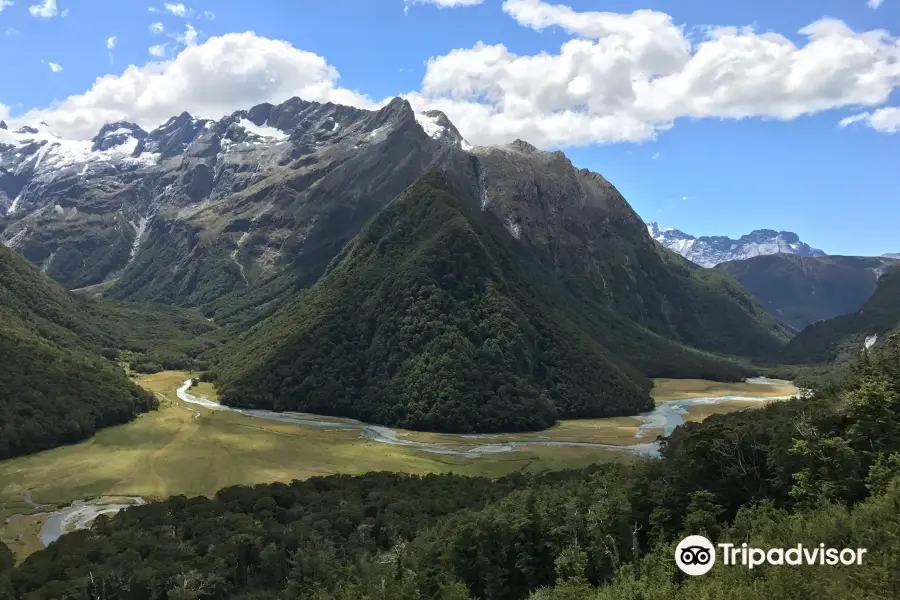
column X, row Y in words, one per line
column 558, row 77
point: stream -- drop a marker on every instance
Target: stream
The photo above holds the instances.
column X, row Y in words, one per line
column 666, row 416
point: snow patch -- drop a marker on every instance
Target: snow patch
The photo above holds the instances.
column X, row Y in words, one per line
column 263, row 131
column 430, row 126
column 15, row 205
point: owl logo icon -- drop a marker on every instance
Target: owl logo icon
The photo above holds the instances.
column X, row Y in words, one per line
column 695, row 555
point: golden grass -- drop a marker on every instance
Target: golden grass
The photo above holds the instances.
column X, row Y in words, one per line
column 191, row 450
column 175, row 451
column 22, row 534
column 701, row 412
column 666, row 390
column 206, row 390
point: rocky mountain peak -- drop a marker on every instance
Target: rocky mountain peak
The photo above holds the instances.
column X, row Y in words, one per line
column 116, row 134
column 3, row 125
column 709, row 251
column 523, row 146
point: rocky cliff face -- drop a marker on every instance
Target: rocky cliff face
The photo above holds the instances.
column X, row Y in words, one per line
column 234, row 216
column 198, row 208
column 708, row 251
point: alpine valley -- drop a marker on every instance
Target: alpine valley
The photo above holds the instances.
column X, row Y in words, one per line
column 505, row 267
column 262, row 310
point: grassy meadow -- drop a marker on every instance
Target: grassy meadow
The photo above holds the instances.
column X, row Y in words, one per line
column 190, row 450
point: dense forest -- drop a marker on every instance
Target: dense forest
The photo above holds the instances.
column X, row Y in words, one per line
column 822, row 468
column 51, row 396
column 59, row 377
column 839, row 339
column 435, row 318
column 800, row 290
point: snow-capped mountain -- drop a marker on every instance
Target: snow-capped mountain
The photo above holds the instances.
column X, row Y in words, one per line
column 709, row 251
column 85, row 209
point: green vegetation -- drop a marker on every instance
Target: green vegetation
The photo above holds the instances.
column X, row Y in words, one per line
column 815, row 469
column 156, row 336
column 50, row 396
column 190, row 450
column 799, row 290
column 435, row 318
column 842, row 338
column 59, row 382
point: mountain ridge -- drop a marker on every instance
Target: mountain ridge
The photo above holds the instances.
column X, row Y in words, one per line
column 709, row 251
column 799, row 290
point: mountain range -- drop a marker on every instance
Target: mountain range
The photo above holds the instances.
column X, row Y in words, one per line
column 373, row 264
column 709, row 251
column 799, row 290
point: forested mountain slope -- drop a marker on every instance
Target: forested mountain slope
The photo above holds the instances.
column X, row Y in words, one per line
column 843, row 337
column 799, row 290
column 819, row 469
column 472, row 303
column 55, row 387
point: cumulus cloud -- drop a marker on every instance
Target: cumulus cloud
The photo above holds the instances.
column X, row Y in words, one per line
column 55, row 67
column 5, row 4
column 885, row 120
column 46, row 10
column 224, row 74
column 156, row 27
column 178, row 10
column 111, row 42
column 616, row 77
column 627, row 77
column 874, row 4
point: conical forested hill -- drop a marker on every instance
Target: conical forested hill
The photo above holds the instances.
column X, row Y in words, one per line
column 436, row 317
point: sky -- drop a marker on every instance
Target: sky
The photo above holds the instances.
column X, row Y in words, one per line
column 712, row 117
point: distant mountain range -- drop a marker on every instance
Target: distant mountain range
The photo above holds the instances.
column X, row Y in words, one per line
column 709, row 251
column 799, row 290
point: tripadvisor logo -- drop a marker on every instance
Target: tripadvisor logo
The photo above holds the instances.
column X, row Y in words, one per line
column 696, row 555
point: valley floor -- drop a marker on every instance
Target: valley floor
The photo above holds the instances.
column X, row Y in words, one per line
column 193, row 450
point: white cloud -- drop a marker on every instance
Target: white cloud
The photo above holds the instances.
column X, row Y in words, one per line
column 45, row 10
column 11, row 32
column 178, row 10
column 157, row 28
column 189, row 37
column 874, row 4
column 55, row 67
column 885, row 120
column 208, row 14
column 224, row 74
column 5, row 4
column 655, row 156
column 447, row 3
column 617, row 77
column 626, row 77
column 111, row 42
